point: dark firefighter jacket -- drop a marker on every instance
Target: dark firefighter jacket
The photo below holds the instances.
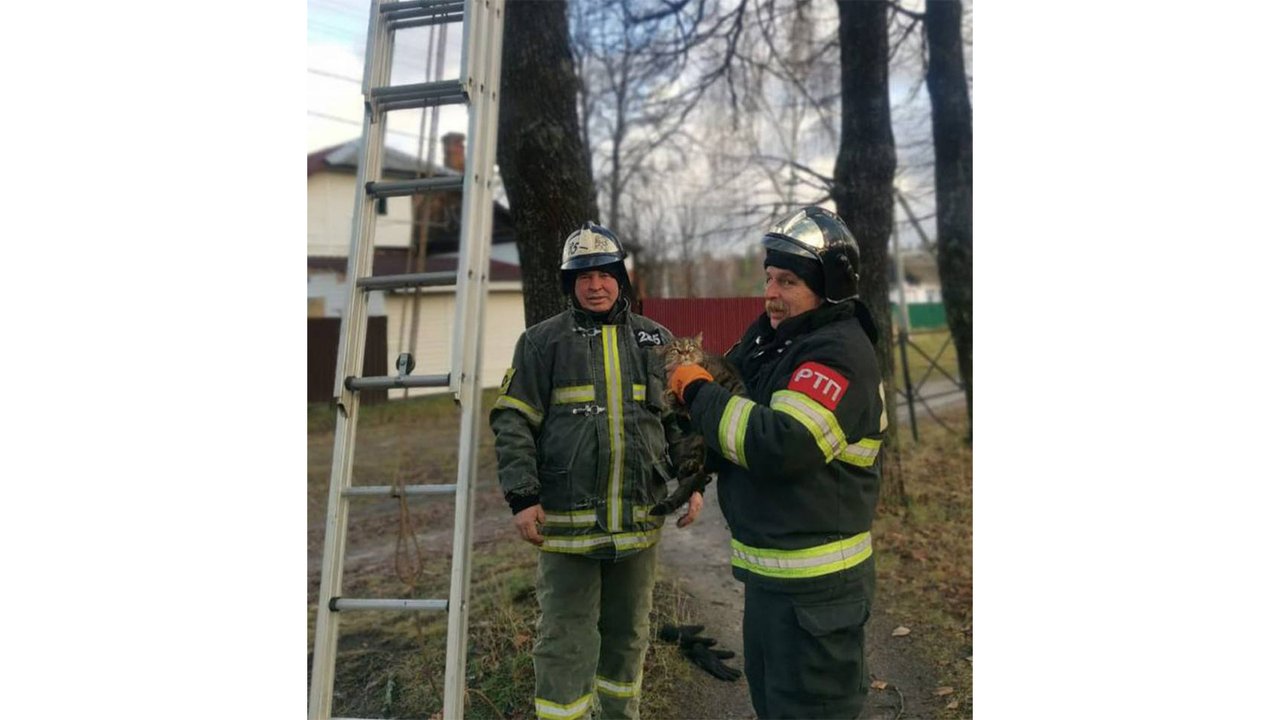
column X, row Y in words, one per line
column 798, row 475
column 580, row 426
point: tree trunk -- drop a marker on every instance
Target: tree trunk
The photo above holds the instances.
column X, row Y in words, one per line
column 544, row 164
column 953, row 177
column 865, row 163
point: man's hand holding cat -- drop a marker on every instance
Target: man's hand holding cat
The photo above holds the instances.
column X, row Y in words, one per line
column 695, row 507
column 682, row 375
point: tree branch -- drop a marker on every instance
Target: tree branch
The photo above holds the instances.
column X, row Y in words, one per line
column 918, row 16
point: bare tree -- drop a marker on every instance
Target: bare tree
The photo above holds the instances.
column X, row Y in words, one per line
column 633, row 108
column 865, row 165
column 953, row 176
column 545, row 168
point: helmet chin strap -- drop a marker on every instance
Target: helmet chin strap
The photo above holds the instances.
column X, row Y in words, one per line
column 868, row 323
column 846, row 268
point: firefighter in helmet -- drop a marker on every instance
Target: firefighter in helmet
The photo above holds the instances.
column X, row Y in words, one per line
column 581, row 438
column 799, row 474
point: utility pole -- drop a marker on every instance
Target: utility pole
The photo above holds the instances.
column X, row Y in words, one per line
column 904, row 331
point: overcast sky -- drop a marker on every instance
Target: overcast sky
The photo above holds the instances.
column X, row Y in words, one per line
column 336, row 34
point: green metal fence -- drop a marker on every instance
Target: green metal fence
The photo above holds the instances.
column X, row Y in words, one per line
column 924, row 316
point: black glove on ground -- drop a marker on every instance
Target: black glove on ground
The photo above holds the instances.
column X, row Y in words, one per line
column 709, row 660
column 699, row 651
column 678, row 633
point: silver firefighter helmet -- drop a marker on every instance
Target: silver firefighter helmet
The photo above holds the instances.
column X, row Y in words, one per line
column 818, row 234
column 590, row 246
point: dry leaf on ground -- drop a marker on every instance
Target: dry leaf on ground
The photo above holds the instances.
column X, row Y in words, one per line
column 901, row 630
column 879, row 684
column 953, row 704
column 944, row 690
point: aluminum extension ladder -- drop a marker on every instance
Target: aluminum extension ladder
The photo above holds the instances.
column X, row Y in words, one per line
column 477, row 87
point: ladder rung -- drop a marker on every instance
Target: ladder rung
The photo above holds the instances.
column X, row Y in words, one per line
column 426, row 89
column 430, row 94
column 432, row 279
column 396, row 381
column 412, row 187
column 397, row 103
column 402, row 15
column 390, row 490
column 338, row 604
column 420, row 6
column 433, row 20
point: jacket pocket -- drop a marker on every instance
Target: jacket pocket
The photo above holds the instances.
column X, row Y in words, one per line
column 556, row 493
column 567, row 442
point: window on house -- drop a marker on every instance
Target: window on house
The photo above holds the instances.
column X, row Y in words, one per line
column 315, row 307
column 382, row 206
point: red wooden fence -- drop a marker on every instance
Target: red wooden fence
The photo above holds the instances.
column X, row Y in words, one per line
column 720, row 320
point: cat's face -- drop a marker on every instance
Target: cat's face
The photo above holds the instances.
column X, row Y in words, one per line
column 683, row 351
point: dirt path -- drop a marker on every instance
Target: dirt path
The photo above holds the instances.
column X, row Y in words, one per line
column 698, row 557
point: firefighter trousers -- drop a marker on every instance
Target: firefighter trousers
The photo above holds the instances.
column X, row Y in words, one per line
column 592, row 634
column 803, row 652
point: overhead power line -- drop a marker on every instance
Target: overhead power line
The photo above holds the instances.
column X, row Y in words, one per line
column 349, row 121
column 335, row 76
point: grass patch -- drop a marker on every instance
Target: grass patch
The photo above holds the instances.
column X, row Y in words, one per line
column 928, row 345
column 392, row 664
column 321, row 416
column 413, row 441
column 924, row 559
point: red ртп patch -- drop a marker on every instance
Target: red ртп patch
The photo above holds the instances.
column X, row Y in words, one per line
column 820, row 383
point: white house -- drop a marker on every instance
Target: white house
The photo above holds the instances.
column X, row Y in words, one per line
column 920, row 278
column 421, row 323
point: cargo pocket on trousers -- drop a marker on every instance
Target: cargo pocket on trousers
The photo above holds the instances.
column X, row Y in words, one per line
column 823, row 620
column 831, row 661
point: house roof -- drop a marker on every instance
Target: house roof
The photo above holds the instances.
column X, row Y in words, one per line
column 346, row 156
column 393, row 261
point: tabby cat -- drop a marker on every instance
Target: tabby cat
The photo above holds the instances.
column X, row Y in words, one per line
column 689, row 450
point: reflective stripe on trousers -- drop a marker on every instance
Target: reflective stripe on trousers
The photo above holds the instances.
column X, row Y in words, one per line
column 575, row 709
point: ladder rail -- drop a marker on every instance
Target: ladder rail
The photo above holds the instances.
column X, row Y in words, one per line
column 482, row 78
column 352, row 332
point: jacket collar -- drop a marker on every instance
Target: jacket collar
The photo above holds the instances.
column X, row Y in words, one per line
column 805, row 322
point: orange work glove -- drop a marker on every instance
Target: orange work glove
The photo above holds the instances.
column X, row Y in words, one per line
column 683, row 375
